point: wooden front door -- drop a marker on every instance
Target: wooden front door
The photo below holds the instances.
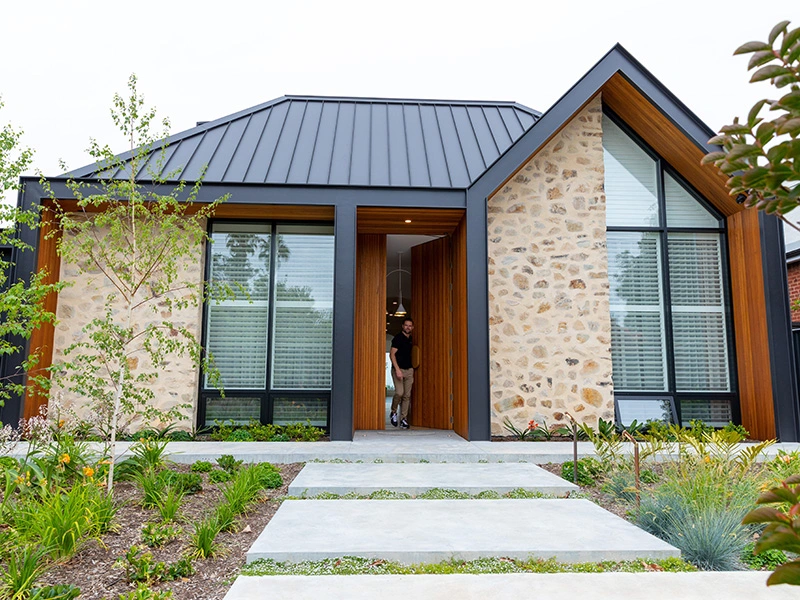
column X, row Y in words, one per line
column 369, row 372
column 431, row 291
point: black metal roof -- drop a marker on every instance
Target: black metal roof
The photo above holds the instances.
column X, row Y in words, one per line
column 313, row 140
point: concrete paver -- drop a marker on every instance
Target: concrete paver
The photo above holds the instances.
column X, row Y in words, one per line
column 416, row 478
column 414, row 531
column 587, row 586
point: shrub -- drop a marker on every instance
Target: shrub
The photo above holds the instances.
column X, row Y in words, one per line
column 142, row 567
column 239, row 435
column 56, row 592
column 186, row 483
column 268, row 476
column 588, row 471
column 228, row 463
column 201, row 466
column 219, row 476
column 25, row 566
column 768, row 560
column 303, row 432
column 156, row 535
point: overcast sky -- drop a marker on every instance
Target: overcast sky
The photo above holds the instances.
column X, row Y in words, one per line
column 62, row 61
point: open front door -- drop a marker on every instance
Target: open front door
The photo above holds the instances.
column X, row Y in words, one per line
column 431, row 290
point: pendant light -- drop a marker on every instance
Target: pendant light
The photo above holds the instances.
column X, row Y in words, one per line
column 401, row 310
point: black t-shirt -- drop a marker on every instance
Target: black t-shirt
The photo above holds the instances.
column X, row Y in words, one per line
column 403, row 345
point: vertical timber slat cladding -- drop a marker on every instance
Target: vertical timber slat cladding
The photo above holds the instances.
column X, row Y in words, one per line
column 749, row 316
column 41, row 341
column 430, row 295
column 459, row 320
column 369, row 374
column 549, row 313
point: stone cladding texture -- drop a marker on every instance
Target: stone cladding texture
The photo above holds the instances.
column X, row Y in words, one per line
column 83, row 299
column 549, row 319
column 793, row 271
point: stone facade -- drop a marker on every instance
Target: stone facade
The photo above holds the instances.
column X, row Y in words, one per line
column 83, row 299
column 793, row 273
column 549, row 317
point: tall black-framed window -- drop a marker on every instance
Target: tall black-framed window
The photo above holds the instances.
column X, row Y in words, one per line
column 270, row 334
column 671, row 333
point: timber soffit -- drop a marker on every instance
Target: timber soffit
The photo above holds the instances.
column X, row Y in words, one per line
column 616, row 60
column 340, row 141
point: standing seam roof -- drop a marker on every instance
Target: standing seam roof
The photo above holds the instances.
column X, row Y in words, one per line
column 301, row 140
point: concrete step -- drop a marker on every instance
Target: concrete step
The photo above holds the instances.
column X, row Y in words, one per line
column 415, row 531
column 414, row 479
column 595, row 586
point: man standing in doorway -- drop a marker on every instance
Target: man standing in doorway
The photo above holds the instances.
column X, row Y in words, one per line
column 402, row 373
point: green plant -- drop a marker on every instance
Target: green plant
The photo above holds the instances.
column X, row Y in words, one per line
column 152, row 486
column 141, row 566
column 225, row 516
column 169, row 503
column 201, row 466
column 185, row 483
column 228, row 463
column 589, row 470
column 243, row 489
column 263, row 433
column 156, row 535
column 148, row 453
column 268, row 476
column 24, row 567
column 739, row 429
column 133, row 239
column 302, row 432
column 202, row 542
column 768, row 560
column 759, row 155
column 56, row 592
column 222, row 430
column 784, row 465
column 219, row 476
column 521, row 434
column 783, row 527
column 239, row 435
column 142, row 592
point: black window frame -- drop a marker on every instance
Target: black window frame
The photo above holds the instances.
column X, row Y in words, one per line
column 663, row 230
column 266, row 396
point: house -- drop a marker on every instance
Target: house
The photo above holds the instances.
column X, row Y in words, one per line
column 577, row 262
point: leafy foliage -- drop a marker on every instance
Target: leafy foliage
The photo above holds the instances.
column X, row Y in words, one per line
column 783, row 527
column 761, row 155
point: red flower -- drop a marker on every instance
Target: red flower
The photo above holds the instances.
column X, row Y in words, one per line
column 533, row 425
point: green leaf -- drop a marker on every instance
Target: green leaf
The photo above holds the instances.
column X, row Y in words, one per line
column 712, row 157
column 769, row 72
column 752, row 47
column 760, row 58
column 755, row 177
column 743, row 151
column 735, row 129
column 790, row 101
column 776, row 31
column 765, row 132
column 753, row 114
column 789, row 39
column 790, row 127
column 794, row 53
column 786, row 573
column 783, row 80
column 764, row 514
column 777, row 153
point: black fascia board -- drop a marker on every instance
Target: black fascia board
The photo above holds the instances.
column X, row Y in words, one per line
column 617, row 60
column 779, row 330
column 295, row 194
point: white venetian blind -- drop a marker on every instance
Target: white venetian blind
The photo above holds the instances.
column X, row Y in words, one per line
column 237, row 328
column 683, row 210
column 638, row 350
column 698, row 313
column 630, row 180
column 303, row 326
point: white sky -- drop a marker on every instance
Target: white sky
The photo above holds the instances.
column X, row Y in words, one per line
column 198, row 61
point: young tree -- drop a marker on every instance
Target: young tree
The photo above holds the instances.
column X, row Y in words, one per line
column 21, row 302
column 135, row 241
column 762, row 154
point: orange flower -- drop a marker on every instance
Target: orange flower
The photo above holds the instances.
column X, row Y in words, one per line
column 64, row 458
column 532, row 425
column 88, row 471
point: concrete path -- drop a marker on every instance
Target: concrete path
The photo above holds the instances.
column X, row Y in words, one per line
column 416, row 478
column 416, row 531
column 395, row 446
column 586, row 586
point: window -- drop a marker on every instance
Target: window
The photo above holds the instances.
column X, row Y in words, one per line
column 269, row 330
column 667, row 275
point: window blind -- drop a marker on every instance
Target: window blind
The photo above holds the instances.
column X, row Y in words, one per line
column 683, row 209
column 303, row 321
column 237, row 327
column 630, row 180
column 638, row 351
column 698, row 312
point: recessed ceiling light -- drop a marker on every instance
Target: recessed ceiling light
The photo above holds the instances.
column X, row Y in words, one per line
column 408, row 220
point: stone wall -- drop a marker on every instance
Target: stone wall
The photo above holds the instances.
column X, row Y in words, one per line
column 549, row 319
column 83, row 299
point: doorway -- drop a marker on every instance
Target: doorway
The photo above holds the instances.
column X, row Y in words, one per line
column 431, row 268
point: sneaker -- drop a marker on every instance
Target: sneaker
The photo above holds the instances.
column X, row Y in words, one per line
column 404, row 424
column 393, row 419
